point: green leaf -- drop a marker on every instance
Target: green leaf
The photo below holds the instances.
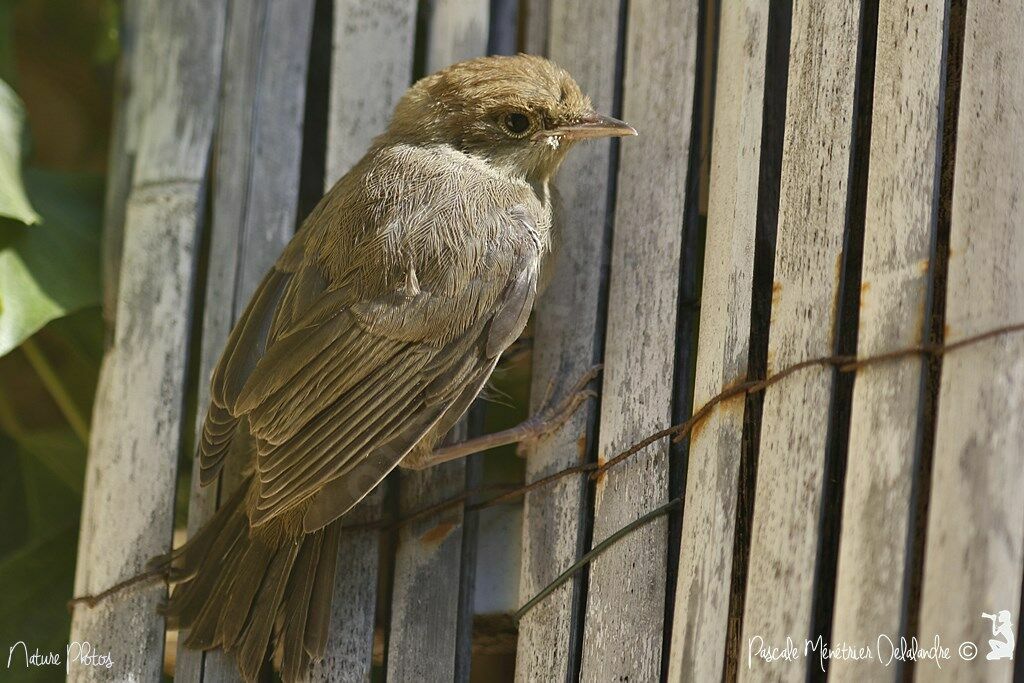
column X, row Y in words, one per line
column 6, row 42
column 62, row 454
column 13, row 506
column 108, row 35
column 38, row 581
column 48, row 271
column 80, row 336
column 13, row 202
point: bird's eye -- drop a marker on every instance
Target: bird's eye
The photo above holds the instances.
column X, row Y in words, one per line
column 516, row 123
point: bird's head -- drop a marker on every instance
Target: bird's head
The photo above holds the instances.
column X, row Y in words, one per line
column 521, row 113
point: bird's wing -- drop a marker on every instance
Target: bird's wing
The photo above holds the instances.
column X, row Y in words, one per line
column 332, row 391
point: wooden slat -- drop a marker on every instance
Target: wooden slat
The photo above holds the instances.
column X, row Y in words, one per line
column 424, row 642
column 535, row 17
column 567, row 338
column 706, row 550
column 121, row 160
column 425, row 600
column 127, row 515
column 371, row 66
column 974, row 558
column 898, row 238
column 259, row 141
column 812, row 216
column 625, row 602
column 457, row 30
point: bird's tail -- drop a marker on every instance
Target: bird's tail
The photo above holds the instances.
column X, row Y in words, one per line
column 236, row 590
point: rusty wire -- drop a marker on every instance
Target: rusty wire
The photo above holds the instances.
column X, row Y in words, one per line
column 678, row 432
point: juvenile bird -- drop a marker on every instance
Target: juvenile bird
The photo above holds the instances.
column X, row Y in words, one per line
column 375, row 330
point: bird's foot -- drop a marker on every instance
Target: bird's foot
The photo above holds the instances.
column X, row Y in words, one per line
column 549, row 418
column 552, row 416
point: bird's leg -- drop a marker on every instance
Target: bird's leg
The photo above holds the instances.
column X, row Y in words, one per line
column 548, row 419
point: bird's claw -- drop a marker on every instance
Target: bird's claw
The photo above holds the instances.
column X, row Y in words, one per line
column 551, row 416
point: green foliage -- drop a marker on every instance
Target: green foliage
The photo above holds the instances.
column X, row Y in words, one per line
column 61, row 454
column 41, row 514
column 34, row 611
column 49, row 270
column 13, row 202
column 51, row 330
column 13, row 506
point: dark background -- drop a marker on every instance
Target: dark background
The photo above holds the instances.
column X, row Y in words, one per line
column 59, row 57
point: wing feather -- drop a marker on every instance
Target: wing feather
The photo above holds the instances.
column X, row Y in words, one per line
column 332, row 388
column 342, row 493
column 509, row 321
column 245, row 346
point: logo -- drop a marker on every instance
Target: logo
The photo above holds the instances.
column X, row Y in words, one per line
column 82, row 653
column 1002, row 643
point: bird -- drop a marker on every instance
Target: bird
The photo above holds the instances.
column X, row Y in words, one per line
column 368, row 339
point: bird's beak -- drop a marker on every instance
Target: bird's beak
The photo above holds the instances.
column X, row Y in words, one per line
column 592, row 125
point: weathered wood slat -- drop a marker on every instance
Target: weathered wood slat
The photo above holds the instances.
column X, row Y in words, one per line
column 371, row 66
column 898, row 243
column 706, row 550
column 974, row 557
column 457, row 30
column 535, row 17
column 812, row 216
column 428, row 561
column 259, row 140
column 567, row 338
column 625, row 603
column 121, row 160
column 424, row 642
column 127, row 515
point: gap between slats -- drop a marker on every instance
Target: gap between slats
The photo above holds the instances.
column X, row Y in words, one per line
column 582, row 582
column 953, row 52
column 691, row 275
column 845, row 337
column 773, row 120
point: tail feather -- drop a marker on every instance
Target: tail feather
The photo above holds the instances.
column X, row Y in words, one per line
column 190, row 595
column 291, row 653
column 252, row 644
column 238, row 589
column 182, row 563
column 242, row 592
column 315, row 639
column 202, row 632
